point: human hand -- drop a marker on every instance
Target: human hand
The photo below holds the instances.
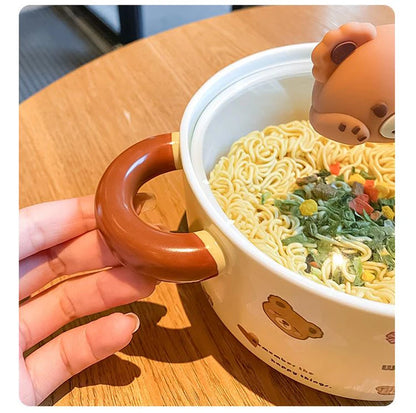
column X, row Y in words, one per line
column 60, row 238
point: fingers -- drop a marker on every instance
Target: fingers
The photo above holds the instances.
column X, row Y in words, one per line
column 47, row 312
column 44, row 225
column 84, row 253
column 26, row 392
column 73, row 351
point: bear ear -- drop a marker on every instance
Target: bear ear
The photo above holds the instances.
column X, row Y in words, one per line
column 337, row 45
column 314, row 331
column 271, row 298
column 281, row 302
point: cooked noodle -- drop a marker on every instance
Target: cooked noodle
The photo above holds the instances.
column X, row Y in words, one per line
column 270, row 162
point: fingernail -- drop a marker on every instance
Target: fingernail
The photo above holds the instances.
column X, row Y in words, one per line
column 136, row 319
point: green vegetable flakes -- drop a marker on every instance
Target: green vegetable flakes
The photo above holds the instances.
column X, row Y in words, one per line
column 336, row 219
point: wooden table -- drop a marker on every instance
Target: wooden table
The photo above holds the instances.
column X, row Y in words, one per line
column 70, row 131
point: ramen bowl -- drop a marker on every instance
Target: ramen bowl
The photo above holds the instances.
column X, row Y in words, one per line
column 320, row 337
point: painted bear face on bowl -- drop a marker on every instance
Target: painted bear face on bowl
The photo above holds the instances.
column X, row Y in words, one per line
column 289, row 321
column 353, row 96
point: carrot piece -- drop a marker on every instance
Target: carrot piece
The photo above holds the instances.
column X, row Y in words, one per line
column 363, row 197
column 360, row 204
column 371, row 192
column 335, row 168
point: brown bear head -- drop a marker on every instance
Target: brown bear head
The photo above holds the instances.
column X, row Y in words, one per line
column 283, row 316
column 353, row 95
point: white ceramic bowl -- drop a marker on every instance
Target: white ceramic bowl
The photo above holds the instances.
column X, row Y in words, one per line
column 355, row 355
column 322, row 338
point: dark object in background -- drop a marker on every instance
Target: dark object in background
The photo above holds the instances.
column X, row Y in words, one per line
column 54, row 40
column 133, row 19
column 50, row 46
column 240, row 7
column 131, row 27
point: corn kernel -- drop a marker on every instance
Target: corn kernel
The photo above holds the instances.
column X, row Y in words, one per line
column 387, row 212
column 356, row 178
column 308, row 207
column 383, row 191
column 368, row 276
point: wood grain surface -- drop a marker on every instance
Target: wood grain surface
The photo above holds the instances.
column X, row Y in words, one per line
column 70, row 131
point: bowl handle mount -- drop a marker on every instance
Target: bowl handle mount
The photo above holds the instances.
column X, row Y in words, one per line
column 166, row 256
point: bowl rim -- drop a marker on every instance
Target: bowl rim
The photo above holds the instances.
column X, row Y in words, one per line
column 230, row 231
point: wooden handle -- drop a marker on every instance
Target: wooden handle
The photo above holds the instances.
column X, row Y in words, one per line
column 166, row 256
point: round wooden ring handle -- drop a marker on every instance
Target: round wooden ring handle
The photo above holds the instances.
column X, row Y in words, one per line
column 166, row 256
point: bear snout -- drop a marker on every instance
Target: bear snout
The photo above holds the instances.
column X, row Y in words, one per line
column 342, row 127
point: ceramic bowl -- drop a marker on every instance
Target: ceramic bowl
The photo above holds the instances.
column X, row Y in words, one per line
column 325, row 339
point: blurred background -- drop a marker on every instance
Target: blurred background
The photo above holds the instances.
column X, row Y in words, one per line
column 54, row 40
